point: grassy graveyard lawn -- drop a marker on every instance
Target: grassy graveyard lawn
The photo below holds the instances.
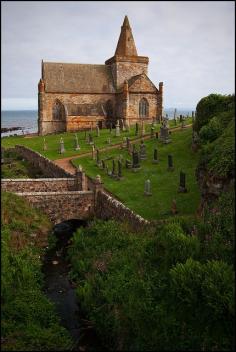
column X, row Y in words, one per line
column 164, row 184
column 53, row 141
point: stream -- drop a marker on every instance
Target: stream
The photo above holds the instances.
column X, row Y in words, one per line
column 61, row 291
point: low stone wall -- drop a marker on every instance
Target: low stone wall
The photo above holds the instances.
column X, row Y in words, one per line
column 39, row 161
column 62, row 206
column 108, row 207
column 41, row 185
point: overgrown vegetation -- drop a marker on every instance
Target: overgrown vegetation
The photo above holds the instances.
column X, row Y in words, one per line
column 29, row 321
column 15, row 166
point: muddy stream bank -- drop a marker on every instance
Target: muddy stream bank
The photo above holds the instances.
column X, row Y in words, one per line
column 61, row 291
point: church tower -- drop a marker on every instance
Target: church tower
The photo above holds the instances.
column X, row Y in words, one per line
column 126, row 63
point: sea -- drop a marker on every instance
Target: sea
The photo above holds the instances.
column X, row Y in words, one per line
column 27, row 120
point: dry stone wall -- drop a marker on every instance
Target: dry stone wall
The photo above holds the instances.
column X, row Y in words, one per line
column 41, row 185
column 62, row 206
column 45, row 165
column 108, row 207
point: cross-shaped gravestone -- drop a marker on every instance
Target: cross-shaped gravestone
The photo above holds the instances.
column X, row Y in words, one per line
column 147, row 188
column 155, row 157
column 170, row 163
column 182, row 180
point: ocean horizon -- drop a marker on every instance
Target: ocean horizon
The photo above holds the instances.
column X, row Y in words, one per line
column 27, row 120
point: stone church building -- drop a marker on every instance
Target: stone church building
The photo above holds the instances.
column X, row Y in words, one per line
column 77, row 96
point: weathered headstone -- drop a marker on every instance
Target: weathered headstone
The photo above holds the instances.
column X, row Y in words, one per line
column 156, row 135
column 62, row 148
column 155, row 157
column 77, row 146
column 93, row 152
column 90, row 139
column 97, row 156
column 152, row 132
column 147, row 188
column 113, row 168
column 117, row 129
column 164, row 134
column 103, row 164
column 170, row 163
column 128, row 164
column 119, row 170
column 45, row 147
column 182, row 179
column 174, row 207
column 135, row 161
column 136, row 129
column 98, row 131
column 143, row 154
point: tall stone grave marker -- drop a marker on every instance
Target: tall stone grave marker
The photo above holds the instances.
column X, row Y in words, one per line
column 170, row 163
column 147, row 188
column 182, row 179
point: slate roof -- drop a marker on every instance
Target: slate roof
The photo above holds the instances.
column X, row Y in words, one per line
column 77, row 78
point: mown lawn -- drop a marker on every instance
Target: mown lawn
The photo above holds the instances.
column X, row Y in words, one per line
column 53, row 141
column 164, row 184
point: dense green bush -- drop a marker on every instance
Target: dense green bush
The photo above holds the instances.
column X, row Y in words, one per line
column 29, row 320
column 211, row 105
column 152, row 291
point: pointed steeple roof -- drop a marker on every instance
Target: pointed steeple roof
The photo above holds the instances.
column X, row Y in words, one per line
column 126, row 45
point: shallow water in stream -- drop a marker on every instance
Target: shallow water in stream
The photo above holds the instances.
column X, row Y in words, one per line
column 61, row 291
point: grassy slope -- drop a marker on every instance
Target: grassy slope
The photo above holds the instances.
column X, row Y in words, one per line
column 28, row 318
column 53, row 141
column 164, row 184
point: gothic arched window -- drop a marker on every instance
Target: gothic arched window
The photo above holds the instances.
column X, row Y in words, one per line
column 143, row 108
column 58, row 111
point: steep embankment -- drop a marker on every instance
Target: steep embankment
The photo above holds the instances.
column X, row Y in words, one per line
column 29, row 321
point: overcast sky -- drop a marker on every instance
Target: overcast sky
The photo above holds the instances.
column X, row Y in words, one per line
column 190, row 44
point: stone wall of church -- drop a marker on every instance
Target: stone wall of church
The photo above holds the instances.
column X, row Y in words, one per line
column 125, row 70
column 134, row 99
column 47, row 125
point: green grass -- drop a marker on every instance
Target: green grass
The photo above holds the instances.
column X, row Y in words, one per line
column 53, row 141
column 164, row 183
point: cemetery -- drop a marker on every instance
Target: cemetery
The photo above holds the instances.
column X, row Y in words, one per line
column 170, row 169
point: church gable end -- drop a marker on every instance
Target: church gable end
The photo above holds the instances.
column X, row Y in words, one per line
column 141, row 83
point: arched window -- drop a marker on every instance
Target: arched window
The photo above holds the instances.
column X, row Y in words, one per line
column 143, row 108
column 58, row 111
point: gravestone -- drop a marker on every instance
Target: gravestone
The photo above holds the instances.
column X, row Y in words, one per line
column 113, row 168
column 152, row 132
column 143, row 154
column 98, row 131
column 108, row 140
column 90, row 141
column 135, row 161
column 97, row 156
column 164, row 134
column 156, row 135
column 170, row 163
column 128, row 164
column 136, row 129
column 117, row 134
column 174, row 207
column 147, row 188
column 93, row 152
column 182, row 180
column 77, row 147
column 45, row 147
column 119, row 170
column 62, row 148
column 103, row 164
column 155, row 157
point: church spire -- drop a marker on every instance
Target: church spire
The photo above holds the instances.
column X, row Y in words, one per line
column 126, row 45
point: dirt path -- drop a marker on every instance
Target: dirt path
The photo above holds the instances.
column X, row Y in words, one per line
column 66, row 164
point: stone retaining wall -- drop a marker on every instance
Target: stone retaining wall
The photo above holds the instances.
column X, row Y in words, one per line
column 39, row 161
column 62, row 206
column 108, row 207
column 41, row 185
